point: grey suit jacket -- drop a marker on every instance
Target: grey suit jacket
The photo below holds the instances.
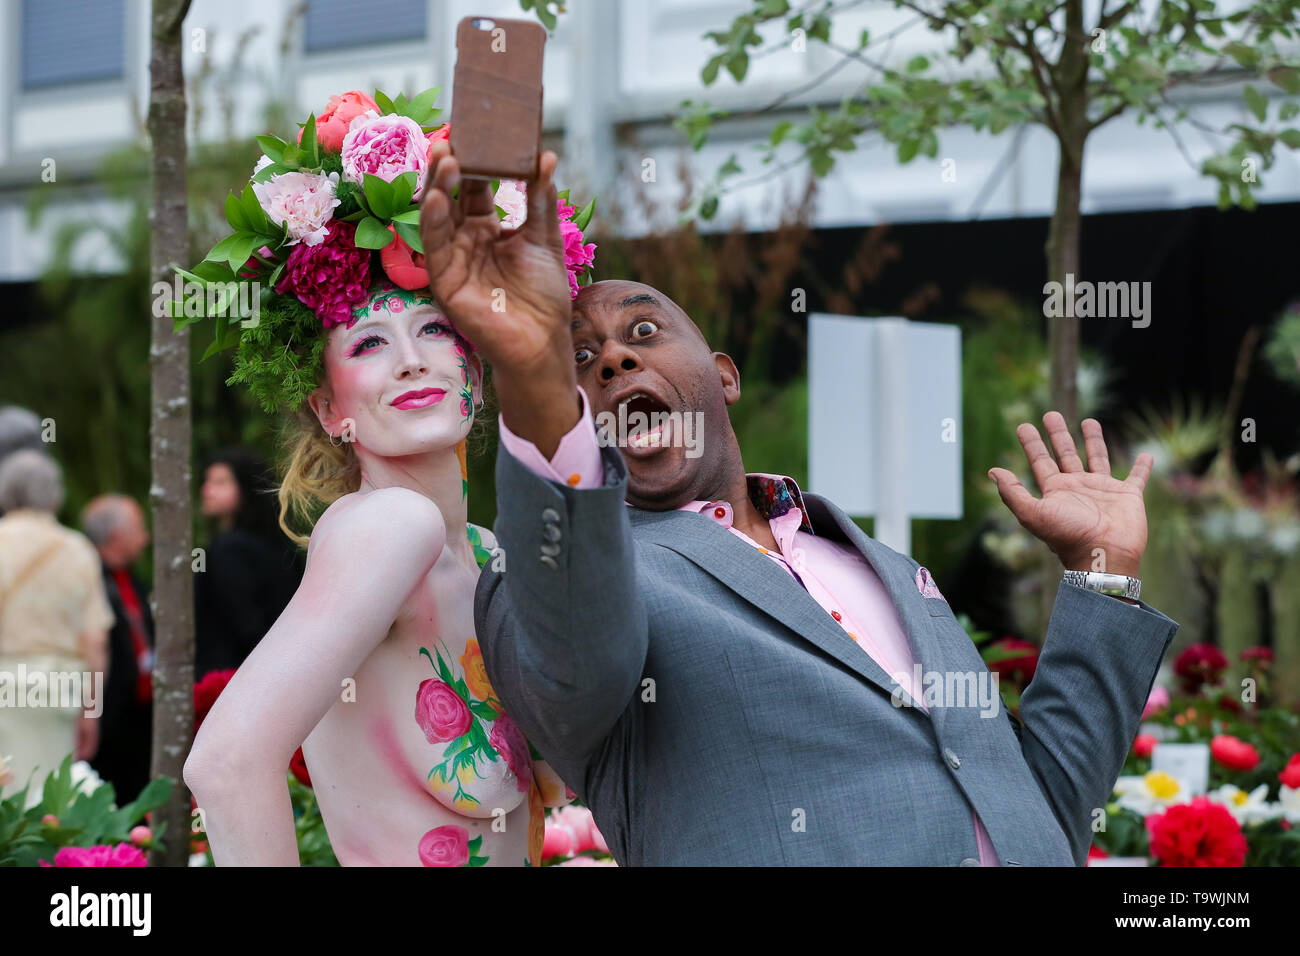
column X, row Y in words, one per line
column 709, row 711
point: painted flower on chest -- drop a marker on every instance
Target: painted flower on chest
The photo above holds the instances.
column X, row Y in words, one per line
column 440, row 711
column 450, row 845
column 508, row 740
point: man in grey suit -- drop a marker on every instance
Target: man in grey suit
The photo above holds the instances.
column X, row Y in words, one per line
column 721, row 669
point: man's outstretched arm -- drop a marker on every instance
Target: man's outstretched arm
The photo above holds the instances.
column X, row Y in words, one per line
column 562, row 627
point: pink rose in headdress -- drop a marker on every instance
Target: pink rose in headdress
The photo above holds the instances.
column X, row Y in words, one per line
column 439, row 135
column 333, row 121
column 403, row 265
column 385, row 146
column 330, row 278
column 303, row 201
column 512, row 196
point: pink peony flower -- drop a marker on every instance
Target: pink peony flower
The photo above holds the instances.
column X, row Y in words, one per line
column 445, row 846
column 333, row 121
column 508, row 740
column 124, row 854
column 303, row 201
column 440, row 712
column 559, row 839
column 141, row 836
column 1157, row 701
column 330, row 278
column 512, row 196
column 386, row 146
column 1199, row 664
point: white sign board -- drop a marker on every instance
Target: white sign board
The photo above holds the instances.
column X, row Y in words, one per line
column 884, row 420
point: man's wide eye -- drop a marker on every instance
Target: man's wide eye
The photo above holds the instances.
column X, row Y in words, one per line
column 644, row 324
column 581, row 355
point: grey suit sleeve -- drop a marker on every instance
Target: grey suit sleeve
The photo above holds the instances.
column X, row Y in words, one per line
column 562, row 630
column 1081, row 711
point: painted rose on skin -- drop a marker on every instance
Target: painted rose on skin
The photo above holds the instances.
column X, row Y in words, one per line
column 333, row 121
column 445, row 846
column 440, row 712
column 508, row 740
column 471, row 662
column 386, row 146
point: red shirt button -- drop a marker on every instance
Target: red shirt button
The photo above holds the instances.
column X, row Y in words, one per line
column 720, row 512
column 835, row 614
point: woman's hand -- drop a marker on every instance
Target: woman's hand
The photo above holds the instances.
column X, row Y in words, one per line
column 1092, row 521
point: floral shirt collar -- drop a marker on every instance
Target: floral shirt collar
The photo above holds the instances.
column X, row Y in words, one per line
column 771, row 495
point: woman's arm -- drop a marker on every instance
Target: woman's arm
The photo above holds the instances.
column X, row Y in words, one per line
column 365, row 561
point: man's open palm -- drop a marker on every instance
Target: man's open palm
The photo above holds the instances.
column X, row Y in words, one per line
column 1080, row 511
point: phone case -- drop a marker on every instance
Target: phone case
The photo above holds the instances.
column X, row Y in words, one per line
column 496, row 112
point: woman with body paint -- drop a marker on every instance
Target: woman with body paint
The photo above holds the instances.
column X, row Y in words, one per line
column 373, row 667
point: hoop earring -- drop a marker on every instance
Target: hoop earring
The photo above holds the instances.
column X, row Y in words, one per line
column 338, row 444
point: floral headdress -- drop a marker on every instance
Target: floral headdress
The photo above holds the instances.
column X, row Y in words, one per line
column 324, row 224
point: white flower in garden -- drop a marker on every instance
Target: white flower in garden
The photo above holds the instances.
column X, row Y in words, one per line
column 84, row 777
column 1288, row 804
column 512, row 196
column 1150, row 793
column 305, row 201
column 1251, row 807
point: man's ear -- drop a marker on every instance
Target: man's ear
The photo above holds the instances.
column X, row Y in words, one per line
column 729, row 375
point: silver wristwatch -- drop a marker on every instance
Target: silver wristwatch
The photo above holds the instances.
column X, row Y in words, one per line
column 1116, row 585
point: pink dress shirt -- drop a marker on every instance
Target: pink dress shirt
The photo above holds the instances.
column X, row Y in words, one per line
column 837, row 576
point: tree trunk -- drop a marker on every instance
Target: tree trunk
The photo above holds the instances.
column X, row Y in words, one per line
column 169, row 435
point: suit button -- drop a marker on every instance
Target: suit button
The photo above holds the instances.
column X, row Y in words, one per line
column 550, row 549
column 952, row 758
column 549, row 561
column 550, row 514
column 551, row 532
column 970, row 861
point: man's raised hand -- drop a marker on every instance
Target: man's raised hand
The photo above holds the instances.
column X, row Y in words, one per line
column 1092, row 521
column 505, row 289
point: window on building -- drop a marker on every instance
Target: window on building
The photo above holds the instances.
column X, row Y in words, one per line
column 72, row 41
column 336, row 24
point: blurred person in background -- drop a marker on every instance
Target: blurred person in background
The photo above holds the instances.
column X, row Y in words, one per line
column 54, row 620
column 19, row 428
column 251, row 569
column 116, row 527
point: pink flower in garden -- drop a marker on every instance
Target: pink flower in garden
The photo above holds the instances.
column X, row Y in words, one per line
column 386, row 146
column 124, row 854
column 587, row 861
column 508, row 740
column 141, row 836
column 1157, row 701
column 1143, row 744
column 1233, row 753
column 330, row 278
column 445, row 846
column 303, row 201
column 440, row 712
column 580, row 822
column 333, row 121
column 559, row 839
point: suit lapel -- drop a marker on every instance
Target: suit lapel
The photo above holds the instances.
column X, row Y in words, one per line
column 762, row 583
column 895, row 571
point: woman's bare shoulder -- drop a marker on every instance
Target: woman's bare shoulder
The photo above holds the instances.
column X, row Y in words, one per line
column 392, row 515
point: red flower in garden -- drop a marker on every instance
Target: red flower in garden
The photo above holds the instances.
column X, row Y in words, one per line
column 1143, row 745
column 1198, row 665
column 298, row 767
column 1233, row 753
column 1290, row 775
column 1261, row 654
column 1018, row 669
column 206, row 693
column 1097, row 853
column 1228, row 702
column 1201, row 833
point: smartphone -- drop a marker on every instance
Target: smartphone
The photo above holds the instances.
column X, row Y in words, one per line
column 496, row 110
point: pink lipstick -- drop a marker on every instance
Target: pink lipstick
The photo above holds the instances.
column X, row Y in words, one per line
column 419, row 399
